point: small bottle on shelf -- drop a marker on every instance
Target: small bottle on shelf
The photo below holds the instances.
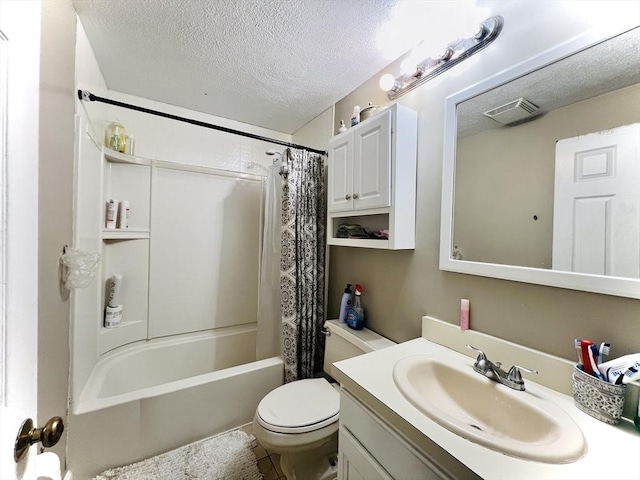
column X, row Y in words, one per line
column 355, row 119
column 112, row 214
column 113, row 312
column 123, row 215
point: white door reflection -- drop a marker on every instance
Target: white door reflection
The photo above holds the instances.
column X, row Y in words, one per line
column 597, row 203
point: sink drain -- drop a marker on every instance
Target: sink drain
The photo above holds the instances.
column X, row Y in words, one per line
column 475, row 426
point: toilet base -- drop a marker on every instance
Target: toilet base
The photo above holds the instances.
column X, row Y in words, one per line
column 320, row 463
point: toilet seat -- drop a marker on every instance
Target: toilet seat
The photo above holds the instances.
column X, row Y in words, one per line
column 299, row 407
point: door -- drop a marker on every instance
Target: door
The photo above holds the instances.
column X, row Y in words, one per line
column 340, row 188
column 355, row 462
column 372, row 163
column 19, row 81
column 597, row 203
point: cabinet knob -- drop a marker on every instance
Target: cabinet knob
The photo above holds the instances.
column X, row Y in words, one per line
column 355, row 196
column 347, row 197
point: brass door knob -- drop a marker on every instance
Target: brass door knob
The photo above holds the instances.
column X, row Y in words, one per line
column 49, row 435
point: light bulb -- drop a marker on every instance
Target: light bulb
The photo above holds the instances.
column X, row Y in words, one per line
column 387, row 82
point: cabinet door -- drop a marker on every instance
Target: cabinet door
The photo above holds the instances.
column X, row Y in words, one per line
column 372, row 163
column 340, row 189
column 355, row 463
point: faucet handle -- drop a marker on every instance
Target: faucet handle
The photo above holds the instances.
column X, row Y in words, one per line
column 481, row 355
column 514, row 373
column 481, row 361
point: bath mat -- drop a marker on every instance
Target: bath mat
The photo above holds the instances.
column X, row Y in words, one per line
column 224, row 457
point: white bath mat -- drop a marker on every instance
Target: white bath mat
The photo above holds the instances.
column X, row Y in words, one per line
column 225, row 457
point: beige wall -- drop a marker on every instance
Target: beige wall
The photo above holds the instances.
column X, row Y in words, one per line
column 401, row 286
column 57, row 67
column 317, row 132
column 506, row 176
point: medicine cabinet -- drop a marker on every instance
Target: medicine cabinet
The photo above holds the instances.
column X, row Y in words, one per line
column 372, row 180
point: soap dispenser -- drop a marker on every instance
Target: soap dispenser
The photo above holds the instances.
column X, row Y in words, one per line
column 345, row 304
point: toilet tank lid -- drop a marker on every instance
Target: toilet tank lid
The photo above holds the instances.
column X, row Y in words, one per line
column 300, row 403
column 365, row 339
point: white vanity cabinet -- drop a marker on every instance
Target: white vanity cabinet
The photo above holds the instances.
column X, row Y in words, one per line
column 372, row 179
column 369, row 449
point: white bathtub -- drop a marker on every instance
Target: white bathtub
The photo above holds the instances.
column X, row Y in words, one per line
column 148, row 398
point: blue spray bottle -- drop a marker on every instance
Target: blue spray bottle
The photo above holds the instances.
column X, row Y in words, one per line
column 355, row 315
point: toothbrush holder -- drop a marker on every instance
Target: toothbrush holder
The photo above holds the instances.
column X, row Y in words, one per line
column 595, row 397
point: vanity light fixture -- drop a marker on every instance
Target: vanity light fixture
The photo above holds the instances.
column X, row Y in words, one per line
column 415, row 72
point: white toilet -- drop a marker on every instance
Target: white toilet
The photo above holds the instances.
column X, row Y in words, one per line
column 299, row 420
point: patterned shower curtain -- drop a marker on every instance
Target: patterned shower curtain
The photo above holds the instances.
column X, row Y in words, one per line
column 302, row 263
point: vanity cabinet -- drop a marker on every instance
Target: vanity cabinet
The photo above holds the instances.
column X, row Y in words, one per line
column 369, row 449
column 372, row 179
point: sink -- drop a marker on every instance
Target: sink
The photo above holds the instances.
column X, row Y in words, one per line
column 521, row 424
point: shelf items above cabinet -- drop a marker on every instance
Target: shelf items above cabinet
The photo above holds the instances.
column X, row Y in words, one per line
column 372, row 180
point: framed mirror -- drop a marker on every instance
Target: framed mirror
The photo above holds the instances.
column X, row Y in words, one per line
column 541, row 170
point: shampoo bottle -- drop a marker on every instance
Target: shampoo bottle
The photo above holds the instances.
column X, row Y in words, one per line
column 355, row 315
column 112, row 213
column 345, row 304
column 113, row 312
column 123, row 216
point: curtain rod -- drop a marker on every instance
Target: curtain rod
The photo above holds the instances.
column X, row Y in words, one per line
column 87, row 96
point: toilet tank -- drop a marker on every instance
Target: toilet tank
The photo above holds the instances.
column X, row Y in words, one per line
column 344, row 342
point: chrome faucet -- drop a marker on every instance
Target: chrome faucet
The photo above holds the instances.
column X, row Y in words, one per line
column 512, row 378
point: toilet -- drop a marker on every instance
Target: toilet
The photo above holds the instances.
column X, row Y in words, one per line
column 299, row 420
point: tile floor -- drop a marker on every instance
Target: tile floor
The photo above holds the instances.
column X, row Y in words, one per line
column 268, row 462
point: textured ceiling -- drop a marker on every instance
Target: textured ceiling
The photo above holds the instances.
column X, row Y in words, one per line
column 603, row 68
column 271, row 63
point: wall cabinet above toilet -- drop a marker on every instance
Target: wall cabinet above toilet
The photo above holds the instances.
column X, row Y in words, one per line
column 372, row 180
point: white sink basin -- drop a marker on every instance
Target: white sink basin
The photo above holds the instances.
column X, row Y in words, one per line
column 520, row 424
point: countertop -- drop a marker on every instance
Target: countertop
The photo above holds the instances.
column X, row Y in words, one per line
column 613, row 452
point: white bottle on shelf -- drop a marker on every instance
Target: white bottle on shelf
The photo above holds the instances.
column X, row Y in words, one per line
column 123, row 215
column 112, row 213
column 113, row 313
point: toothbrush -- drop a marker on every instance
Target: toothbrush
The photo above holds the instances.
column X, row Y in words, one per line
column 605, row 348
column 593, row 355
column 576, row 344
column 585, row 349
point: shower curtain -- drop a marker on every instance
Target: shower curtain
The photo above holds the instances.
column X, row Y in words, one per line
column 302, row 263
column 269, row 317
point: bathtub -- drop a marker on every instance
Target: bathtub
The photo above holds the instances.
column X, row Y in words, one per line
column 147, row 398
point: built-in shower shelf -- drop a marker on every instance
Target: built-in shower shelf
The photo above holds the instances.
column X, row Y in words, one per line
column 127, row 332
column 125, row 234
column 117, row 157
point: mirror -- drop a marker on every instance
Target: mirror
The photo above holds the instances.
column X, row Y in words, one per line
column 541, row 172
